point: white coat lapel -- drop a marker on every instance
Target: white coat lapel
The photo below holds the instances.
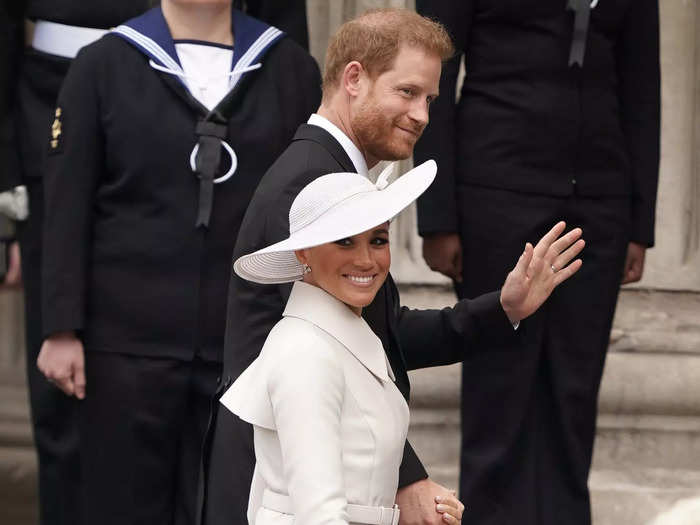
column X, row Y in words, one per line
column 318, row 307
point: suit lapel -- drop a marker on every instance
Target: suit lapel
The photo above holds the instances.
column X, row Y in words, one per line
column 321, row 137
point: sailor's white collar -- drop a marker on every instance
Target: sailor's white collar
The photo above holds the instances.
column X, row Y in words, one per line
column 356, row 156
column 320, row 308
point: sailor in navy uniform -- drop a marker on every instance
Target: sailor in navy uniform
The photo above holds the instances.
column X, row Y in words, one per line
column 161, row 145
column 559, row 118
column 30, row 79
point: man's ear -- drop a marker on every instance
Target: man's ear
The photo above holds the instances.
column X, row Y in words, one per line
column 353, row 76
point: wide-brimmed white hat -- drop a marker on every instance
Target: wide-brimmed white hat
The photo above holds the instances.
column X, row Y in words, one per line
column 331, row 208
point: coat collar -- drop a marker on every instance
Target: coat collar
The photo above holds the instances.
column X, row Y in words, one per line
column 150, row 34
column 318, row 307
column 321, row 137
column 358, row 160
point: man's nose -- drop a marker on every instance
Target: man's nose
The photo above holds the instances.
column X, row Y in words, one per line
column 419, row 113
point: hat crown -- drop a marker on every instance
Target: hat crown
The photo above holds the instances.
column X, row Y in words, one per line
column 324, row 193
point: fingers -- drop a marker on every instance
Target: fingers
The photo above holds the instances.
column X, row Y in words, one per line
column 562, row 244
column 563, row 274
column 79, row 380
column 572, row 251
column 634, row 263
column 551, row 236
column 64, row 383
column 448, row 518
column 450, row 508
column 524, row 261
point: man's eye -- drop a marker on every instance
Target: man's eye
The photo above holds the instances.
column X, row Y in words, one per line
column 407, row 91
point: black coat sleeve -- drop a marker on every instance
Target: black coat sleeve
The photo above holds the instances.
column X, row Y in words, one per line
column 73, row 169
column 11, row 48
column 437, row 207
column 443, row 337
column 639, row 96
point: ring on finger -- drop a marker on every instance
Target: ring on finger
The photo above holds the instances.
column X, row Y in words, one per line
column 554, row 268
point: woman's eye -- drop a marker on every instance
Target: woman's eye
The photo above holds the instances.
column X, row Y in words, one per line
column 380, row 241
column 343, row 242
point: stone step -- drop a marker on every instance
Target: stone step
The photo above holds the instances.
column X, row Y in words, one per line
column 640, row 496
column 18, row 490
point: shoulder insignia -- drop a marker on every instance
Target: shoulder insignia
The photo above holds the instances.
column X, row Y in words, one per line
column 56, row 136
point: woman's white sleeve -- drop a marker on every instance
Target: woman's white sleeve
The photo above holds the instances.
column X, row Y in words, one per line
column 306, row 388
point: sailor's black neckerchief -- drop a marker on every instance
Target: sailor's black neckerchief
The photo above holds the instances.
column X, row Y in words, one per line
column 149, row 33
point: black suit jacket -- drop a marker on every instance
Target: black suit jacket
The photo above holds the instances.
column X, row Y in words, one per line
column 412, row 339
column 528, row 122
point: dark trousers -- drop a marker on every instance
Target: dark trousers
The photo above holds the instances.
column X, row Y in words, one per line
column 54, row 415
column 529, row 413
column 142, row 425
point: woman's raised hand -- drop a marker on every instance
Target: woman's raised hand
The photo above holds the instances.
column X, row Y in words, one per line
column 539, row 270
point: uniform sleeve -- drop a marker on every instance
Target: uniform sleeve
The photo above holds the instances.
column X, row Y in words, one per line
column 11, row 48
column 73, row 167
column 443, row 337
column 306, row 390
column 639, row 95
column 437, row 207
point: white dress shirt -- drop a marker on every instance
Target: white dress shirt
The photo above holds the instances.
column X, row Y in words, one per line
column 356, row 156
column 329, row 423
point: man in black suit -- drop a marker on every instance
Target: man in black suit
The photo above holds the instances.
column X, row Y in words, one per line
column 558, row 117
column 382, row 71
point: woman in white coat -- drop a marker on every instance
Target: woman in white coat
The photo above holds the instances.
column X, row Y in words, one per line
column 329, row 422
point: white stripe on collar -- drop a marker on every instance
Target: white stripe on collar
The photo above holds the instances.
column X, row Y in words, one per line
column 242, row 66
column 254, row 51
column 356, row 156
column 149, row 45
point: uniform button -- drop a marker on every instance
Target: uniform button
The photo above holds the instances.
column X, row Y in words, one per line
column 218, row 380
column 228, row 381
column 573, row 181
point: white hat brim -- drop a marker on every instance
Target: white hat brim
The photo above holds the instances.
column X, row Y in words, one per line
column 277, row 263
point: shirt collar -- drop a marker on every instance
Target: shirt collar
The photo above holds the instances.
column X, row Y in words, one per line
column 320, row 308
column 356, row 156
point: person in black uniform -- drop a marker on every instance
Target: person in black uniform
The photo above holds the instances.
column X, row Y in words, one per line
column 161, row 133
column 382, row 71
column 33, row 85
column 29, row 82
column 558, row 117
